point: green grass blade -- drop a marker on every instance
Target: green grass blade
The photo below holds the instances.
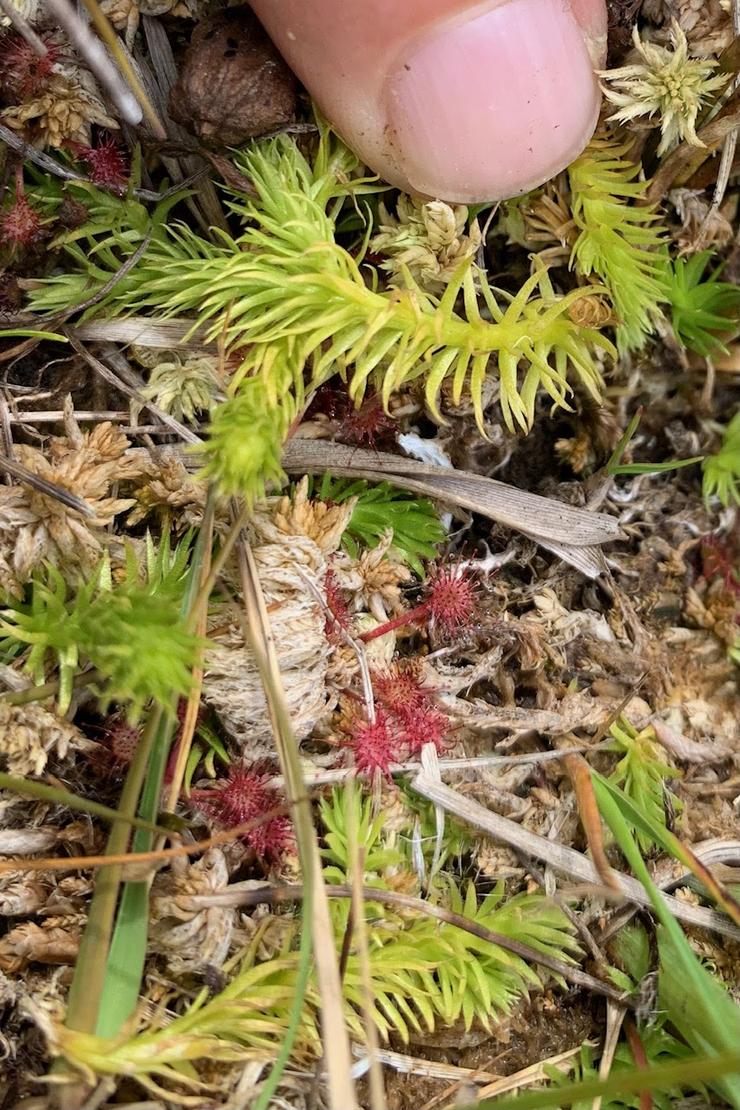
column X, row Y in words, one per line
column 682, row 1073
column 713, row 1011
column 57, row 796
column 127, row 952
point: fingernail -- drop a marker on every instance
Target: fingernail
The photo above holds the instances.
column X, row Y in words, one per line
column 493, row 105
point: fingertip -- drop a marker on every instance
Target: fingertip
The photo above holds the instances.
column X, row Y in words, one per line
column 464, row 101
column 488, row 107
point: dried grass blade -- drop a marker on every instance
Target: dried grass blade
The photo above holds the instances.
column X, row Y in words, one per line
column 159, row 334
column 565, row 860
column 539, row 517
column 662, row 1078
column 336, row 1041
column 675, row 847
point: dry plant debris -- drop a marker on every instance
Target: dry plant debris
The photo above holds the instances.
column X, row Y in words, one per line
column 480, row 686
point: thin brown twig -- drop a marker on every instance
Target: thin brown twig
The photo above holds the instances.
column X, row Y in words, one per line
column 564, row 859
column 45, row 162
column 291, row 892
column 141, row 859
column 43, row 485
column 118, row 383
column 574, row 918
column 105, row 289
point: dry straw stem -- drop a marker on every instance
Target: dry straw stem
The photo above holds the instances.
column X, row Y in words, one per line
column 341, row 1091
column 535, row 1073
column 23, row 28
column 165, row 335
column 565, row 860
column 728, row 149
column 91, row 50
column 615, row 1015
column 429, row 1069
column 43, row 485
column 360, row 932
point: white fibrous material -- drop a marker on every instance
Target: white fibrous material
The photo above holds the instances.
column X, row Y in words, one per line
column 292, row 570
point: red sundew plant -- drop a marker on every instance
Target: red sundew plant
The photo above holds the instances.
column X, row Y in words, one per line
column 452, row 598
column 23, row 72
column 367, row 426
column 718, row 560
column 112, row 757
column 247, row 796
column 374, row 744
column 107, row 162
column 123, row 740
column 400, row 688
column 20, row 225
column 406, row 719
column 450, row 605
column 428, row 725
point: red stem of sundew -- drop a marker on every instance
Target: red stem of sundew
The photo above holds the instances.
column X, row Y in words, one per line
column 411, row 616
column 640, row 1057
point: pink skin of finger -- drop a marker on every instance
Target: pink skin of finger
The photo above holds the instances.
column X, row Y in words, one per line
column 447, row 98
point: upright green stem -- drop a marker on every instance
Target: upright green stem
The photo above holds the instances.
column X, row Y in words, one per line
column 59, row 797
column 92, row 960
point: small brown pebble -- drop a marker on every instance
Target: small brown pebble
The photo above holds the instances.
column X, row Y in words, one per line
column 233, row 84
column 72, row 214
